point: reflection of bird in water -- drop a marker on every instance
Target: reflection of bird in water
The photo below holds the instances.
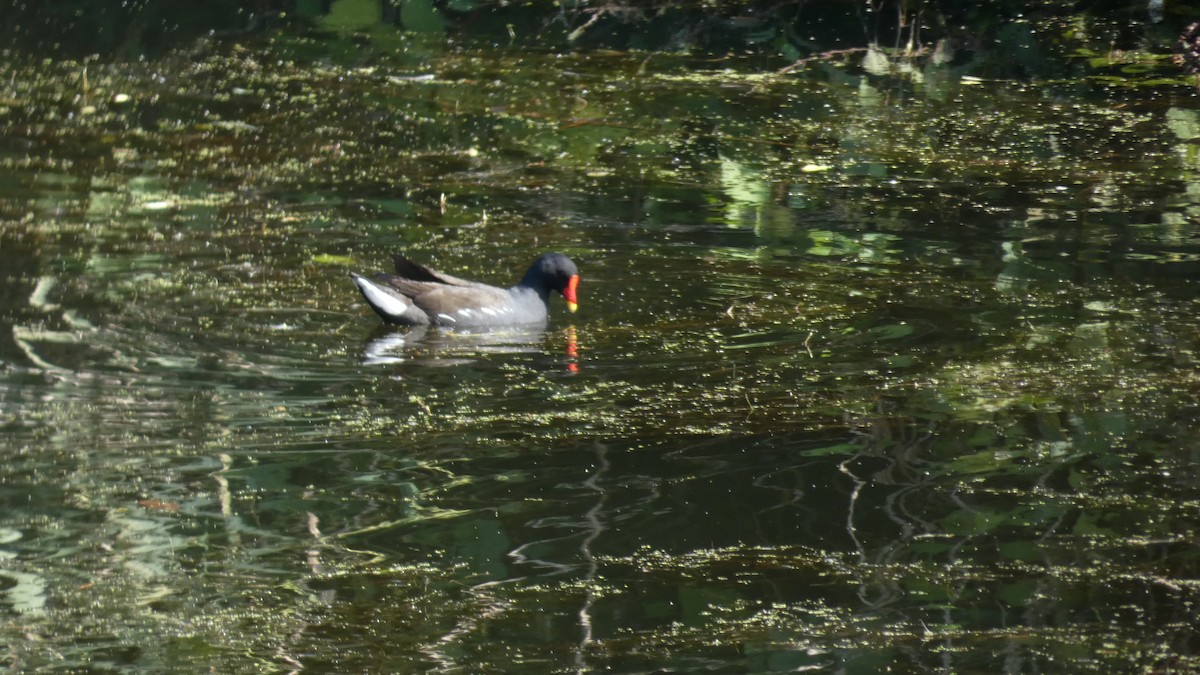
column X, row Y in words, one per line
column 448, row 347
column 426, row 347
column 572, row 350
column 1189, row 48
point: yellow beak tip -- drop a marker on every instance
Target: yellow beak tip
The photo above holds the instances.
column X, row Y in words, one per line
column 572, row 307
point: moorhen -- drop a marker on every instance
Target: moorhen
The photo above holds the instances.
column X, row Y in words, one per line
column 419, row 296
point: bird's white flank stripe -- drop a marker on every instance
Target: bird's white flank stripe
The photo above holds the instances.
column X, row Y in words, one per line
column 388, row 303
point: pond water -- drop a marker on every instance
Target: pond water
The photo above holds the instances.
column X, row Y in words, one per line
column 870, row 372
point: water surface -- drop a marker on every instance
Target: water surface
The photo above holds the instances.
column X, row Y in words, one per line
column 868, row 373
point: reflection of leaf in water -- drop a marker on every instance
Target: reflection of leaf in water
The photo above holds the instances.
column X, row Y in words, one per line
column 839, row 449
column 893, row 332
column 351, row 15
column 1018, row 594
column 743, row 184
column 1185, row 124
column 1089, row 524
column 979, row 462
column 27, row 596
column 974, row 522
column 875, row 61
column 331, row 259
column 1021, row 550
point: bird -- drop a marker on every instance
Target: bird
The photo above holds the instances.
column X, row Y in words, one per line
column 417, row 295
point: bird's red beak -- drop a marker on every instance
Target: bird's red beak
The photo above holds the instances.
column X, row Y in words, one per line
column 569, row 293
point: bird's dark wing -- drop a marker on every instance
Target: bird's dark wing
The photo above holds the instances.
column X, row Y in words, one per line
column 415, row 271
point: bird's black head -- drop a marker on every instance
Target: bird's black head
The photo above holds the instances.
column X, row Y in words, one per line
column 554, row 272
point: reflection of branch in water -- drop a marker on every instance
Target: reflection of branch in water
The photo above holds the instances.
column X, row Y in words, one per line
column 858, row 486
column 493, row 606
column 883, row 440
column 519, row 558
column 313, row 554
column 24, row 337
column 490, row 606
column 595, row 528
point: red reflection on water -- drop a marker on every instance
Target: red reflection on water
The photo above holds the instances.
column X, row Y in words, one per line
column 572, row 350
